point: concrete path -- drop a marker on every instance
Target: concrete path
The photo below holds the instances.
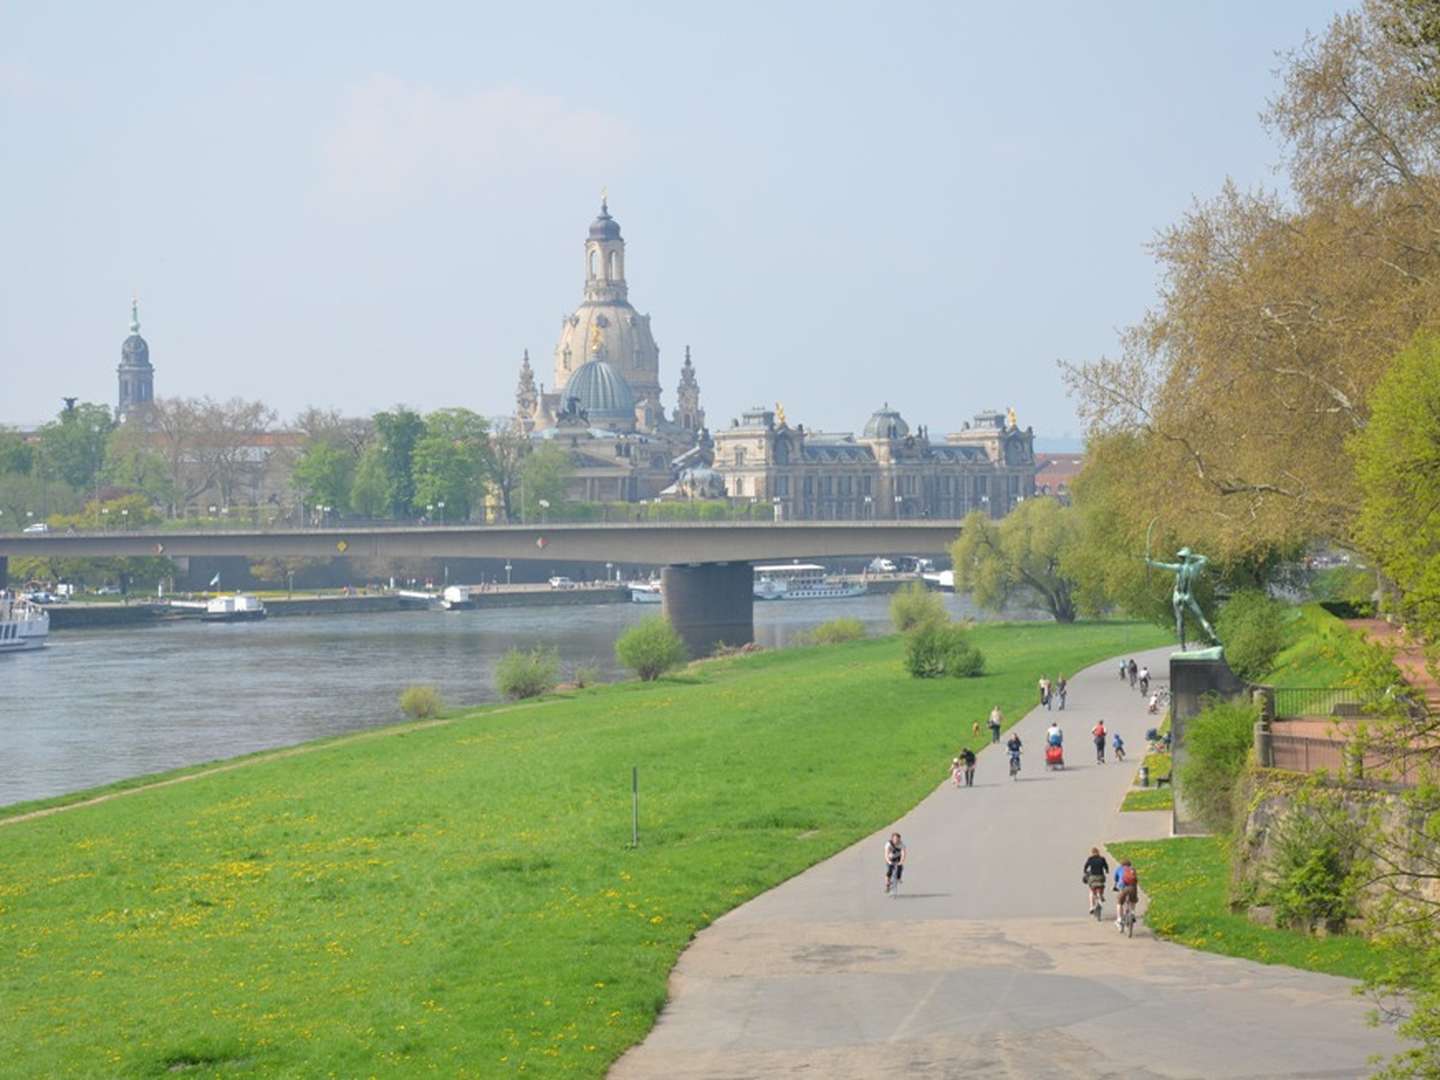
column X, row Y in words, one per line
column 987, row 965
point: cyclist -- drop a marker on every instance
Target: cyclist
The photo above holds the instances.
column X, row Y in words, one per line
column 1097, row 869
column 967, row 761
column 1012, row 746
column 1144, row 681
column 1118, row 744
column 1098, row 732
column 894, row 859
column 1127, row 884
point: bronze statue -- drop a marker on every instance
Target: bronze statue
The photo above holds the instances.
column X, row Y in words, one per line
column 1186, row 571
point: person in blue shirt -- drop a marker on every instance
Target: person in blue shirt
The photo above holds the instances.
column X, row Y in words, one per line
column 1119, row 744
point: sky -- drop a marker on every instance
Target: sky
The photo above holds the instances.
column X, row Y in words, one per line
column 835, row 205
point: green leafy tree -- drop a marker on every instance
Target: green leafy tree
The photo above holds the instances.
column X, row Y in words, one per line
column 1397, row 460
column 1252, row 629
column 370, row 489
column 509, row 446
column 16, row 455
column 131, row 462
column 1024, row 551
column 651, row 648
column 543, row 475
column 914, row 605
column 399, row 430
column 323, row 474
column 72, row 447
column 451, row 462
column 1217, row 746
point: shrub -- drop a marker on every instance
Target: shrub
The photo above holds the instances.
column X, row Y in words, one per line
column 934, row 649
column 527, row 673
column 838, row 630
column 1217, row 745
column 585, row 675
column 1252, row 629
column 420, row 702
column 1309, row 881
column 915, row 605
column 651, row 648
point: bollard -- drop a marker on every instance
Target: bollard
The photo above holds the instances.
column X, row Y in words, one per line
column 1144, row 775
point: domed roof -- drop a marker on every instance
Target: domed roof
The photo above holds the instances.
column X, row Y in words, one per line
column 604, row 227
column 134, row 352
column 601, row 391
column 886, row 423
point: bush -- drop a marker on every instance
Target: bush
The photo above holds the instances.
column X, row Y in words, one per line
column 585, row 675
column 1217, row 745
column 1252, row 629
column 934, row 649
column 915, row 605
column 1309, row 880
column 651, row 648
column 838, row 630
column 421, row 702
column 527, row 673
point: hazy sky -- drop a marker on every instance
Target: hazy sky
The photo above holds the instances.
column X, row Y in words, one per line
column 834, row 204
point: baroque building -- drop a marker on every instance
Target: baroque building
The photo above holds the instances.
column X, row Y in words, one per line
column 604, row 406
column 136, row 375
column 887, row 471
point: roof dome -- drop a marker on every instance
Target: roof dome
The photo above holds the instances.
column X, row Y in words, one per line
column 886, row 423
column 604, row 227
column 134, row 352
column 602, row 392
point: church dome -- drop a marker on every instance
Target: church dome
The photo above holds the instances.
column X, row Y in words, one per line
column 604, row 227
column 135, row 352
column 602, row 392
column 886, row 423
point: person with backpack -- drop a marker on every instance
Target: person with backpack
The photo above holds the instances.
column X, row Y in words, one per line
column 1127, row 884
column 1098, row 733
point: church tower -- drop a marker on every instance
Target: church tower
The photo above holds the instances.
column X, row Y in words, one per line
column 137, row 377
column 605, row 259
column 688, row 413
column 526, row 396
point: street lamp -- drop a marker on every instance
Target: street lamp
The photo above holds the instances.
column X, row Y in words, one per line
column 608, row 567
column 441, row 505
column 429, row 512
column 507, row 571
column 544, row 509
column 869, row 507
column 105, row 519
column 775, row 506
column 125, row 514
column 898, row 500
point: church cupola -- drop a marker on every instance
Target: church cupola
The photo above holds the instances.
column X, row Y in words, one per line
column 136, row 375
column 605, row 258
column 688, row 413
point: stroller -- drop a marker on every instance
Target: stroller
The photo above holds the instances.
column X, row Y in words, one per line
column 1054, row 756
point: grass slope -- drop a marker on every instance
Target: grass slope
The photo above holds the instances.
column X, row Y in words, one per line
column 1319, row 651
column 1185, row 879
column 459, row 899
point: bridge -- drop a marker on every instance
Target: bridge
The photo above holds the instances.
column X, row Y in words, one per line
column 706, row 576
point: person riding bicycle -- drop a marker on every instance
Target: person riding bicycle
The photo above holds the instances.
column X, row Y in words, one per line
column 1012, row 746
column 1144, row 681
column 1054, row 736
column 1098, row 733
column 1097, row 869
column 967, row 761
column 1127, row 884
column 1118, row 745
column 894, row 860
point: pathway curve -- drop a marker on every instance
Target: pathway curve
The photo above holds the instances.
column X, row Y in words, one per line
column 986, row 965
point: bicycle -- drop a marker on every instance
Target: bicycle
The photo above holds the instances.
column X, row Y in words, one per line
column 1097, row 897
column 1127, row 914
column 1014, row 766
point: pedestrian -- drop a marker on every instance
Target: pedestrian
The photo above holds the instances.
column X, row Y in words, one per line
column 1044, row 689
column 996, row 719
column 1134, row 672
column 1124, row 669
column 1061, row 688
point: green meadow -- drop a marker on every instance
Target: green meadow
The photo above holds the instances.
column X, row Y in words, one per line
column 462, row 899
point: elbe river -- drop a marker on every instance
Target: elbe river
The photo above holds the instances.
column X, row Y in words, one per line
column 96, row 706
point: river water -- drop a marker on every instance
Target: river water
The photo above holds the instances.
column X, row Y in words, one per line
column 96, row 706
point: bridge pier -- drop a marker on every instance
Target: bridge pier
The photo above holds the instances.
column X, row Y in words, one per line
column 710, row 603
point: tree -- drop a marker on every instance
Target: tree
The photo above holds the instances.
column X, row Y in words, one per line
column 72, row 447
column 399, row 430
column 543, row 475
column 1397, row 459
column 650, row 648
column 1025, row 550
column 370, row 488
column 509, row 446
column 323, row 475
column 133, row 462
column 16, row 455
column 451, row 461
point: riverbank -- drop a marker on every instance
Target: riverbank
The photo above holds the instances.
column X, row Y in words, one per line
column 462, row 898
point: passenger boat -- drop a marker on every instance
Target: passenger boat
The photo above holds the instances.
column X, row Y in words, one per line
column 802, row 581
column 644, row 592
column 237, row 608
column 456, row 598
column 23, row 625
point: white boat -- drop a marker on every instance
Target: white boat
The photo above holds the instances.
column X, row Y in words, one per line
column 456, row 598
column 644, row 592
column 944, row 580
column 802, row 581
column 23, row 625
column 237, row 608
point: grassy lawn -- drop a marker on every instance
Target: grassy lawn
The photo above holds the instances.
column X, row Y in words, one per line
column 1317, row 652
column 460, row 899
column 1149, row 799
column 1184, row 880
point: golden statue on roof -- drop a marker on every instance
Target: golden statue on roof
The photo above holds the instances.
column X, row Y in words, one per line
column 780, row 414
column 1010, row 418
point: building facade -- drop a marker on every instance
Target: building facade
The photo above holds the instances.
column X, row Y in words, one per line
column 604, row 406
column 887, row 471
column 136, row 374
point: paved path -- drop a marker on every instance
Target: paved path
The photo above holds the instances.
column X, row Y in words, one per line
column 986, row 965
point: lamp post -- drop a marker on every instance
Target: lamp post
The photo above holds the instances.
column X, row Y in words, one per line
column 105, row 519
column 441, row 506
column 898, row 500
column 777, row 508
column 869, row 508
column 429, row 513
column 985, row 502
column 609, row 566
column 125, row 516
column 544, row 509
column 507, row 571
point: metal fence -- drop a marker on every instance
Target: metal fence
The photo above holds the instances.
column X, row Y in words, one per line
column 1318, row 701
column 1307, row 754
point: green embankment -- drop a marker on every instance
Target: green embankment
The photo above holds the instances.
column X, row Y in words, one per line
column 459, row 899
column 1319, row 651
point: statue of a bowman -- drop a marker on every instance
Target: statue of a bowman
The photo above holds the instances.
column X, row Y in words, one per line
column 1182, row 599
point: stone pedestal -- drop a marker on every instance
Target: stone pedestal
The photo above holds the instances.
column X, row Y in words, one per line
column 710, row 603
column 1196, row 678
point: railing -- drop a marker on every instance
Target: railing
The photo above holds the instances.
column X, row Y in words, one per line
column 1318, row 701
column 1308, row 754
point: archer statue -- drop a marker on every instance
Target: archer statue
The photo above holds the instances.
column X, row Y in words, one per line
column 1186, row 572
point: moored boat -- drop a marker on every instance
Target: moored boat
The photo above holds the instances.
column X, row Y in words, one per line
column 23, row 625
column 456, row 598
column 237, row 608
column 802, row 581
column 644, row 592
